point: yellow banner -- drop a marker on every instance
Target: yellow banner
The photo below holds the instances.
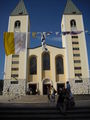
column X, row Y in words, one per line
column 9, row 43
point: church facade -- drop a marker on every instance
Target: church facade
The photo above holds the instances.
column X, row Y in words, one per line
column 37, row 69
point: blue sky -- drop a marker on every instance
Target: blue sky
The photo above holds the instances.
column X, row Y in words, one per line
column 45, row 15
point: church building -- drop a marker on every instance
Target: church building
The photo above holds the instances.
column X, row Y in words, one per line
column 36, row 69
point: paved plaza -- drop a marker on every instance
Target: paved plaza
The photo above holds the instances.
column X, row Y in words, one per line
column 80, row 100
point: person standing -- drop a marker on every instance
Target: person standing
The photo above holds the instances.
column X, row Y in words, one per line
column 48, row 93
column 30, row 91
column 8, row 93
column 61, row 101
column 53, row 92
column 68, row 87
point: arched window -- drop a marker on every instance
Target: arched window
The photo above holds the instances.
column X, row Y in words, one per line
column 46, row 61
column 59, row 65
column 33, row 65
column 73, row 23
column 17, row 24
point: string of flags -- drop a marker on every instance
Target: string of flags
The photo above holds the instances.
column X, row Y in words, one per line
column 46, row 34
column 16, row 42
column 34, row 34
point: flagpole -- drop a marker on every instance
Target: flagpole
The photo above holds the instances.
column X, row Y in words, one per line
column 26, row 55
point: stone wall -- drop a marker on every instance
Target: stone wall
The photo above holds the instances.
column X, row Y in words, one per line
column 19, row 87
column 13, row 87
column 81, row 86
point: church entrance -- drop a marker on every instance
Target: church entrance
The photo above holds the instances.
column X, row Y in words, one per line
column 45, row 88
column 32, row 89
column 46, row 84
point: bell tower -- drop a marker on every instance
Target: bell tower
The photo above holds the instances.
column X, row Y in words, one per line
column 76, row 51
column 15, row 78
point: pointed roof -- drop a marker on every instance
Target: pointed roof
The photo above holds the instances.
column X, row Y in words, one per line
column 20, row 9
column 71, row 8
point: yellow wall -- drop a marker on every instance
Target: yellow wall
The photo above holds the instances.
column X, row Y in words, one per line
column 46, row 74
column 61, row 78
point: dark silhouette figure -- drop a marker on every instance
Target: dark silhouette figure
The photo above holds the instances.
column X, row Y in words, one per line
column 61, row 102
column 48, row 93
column 65, row 101
column 68, row 87
column 53, row 92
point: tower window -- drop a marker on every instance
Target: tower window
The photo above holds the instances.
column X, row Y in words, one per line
column 75, row 48
column 76, row 55
column 74, row 36
column 14, row 69
column 77, row 61
column 15, row 56
column 77, row 68
column 14, row 75
column 15, row 62
column 74, row 12
column 17, row 24
column 78, row 74
column 14, row 82
column 75, row 42
column 78, row 81
column 73, row 23
column 21, row 13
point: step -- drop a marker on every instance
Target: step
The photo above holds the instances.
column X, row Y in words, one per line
column 42, row 112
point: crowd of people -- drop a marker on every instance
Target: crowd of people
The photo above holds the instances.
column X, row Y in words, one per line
column 65, row 98
column 30, row 91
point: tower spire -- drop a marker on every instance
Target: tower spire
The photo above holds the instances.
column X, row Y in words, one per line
column 71, row 8
column 20, row 9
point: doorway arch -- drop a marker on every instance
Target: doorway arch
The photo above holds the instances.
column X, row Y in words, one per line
column 46, row 83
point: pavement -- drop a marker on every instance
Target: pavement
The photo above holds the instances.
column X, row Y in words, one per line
column 80, row 101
